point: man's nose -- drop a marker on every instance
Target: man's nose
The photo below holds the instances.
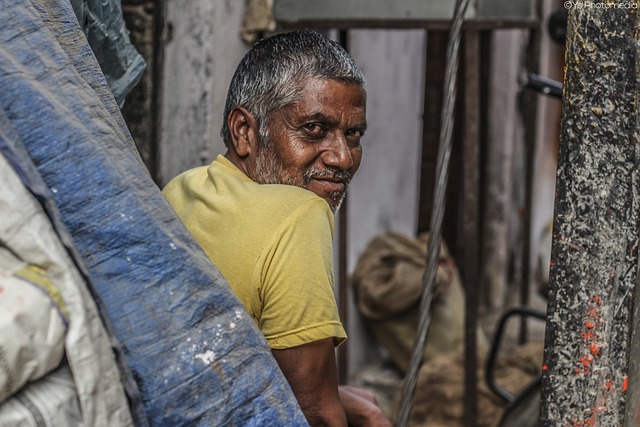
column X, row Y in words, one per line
column 338, row 154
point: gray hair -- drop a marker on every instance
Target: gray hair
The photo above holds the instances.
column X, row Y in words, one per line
column 272, row 73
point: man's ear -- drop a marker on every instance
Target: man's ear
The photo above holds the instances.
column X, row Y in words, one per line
column 244, row 131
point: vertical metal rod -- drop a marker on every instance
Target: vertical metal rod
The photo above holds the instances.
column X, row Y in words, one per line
column 442, row 170
column 343, row 301
column 528, row 110
column 470, row 220
column 159, row 30
column 435, row 58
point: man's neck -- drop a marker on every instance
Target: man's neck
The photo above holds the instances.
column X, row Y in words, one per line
column 237, row 161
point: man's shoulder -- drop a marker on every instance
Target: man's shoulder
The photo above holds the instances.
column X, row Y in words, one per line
column 233, row 194
column 281, row 192
column 179, row 186
column 286, row 201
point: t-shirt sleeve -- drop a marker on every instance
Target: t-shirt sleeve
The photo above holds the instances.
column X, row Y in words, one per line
column 296, row 290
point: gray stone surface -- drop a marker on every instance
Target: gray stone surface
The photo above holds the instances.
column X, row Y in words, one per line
column 595, row 237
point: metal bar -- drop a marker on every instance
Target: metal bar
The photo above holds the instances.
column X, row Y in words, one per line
column 343, row 241
column 343, row 306
column 431, row 25
column 596, row 223
column 495, row 349
column 471, row 189
column 433, row 92
column 352, row 12
column 544, row 85
column 529, row 120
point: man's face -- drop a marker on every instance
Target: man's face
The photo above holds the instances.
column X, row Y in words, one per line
column 314, row 143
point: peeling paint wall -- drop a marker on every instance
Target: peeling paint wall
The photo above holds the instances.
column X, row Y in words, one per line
column 384, row 193
column 595, row 233
column 202, row 49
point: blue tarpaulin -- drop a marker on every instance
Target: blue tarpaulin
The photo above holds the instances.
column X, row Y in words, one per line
column 196, row 356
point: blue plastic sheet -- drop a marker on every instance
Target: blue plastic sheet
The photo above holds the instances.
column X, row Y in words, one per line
column 196, row 356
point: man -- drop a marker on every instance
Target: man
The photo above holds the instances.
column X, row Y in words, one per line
column 293, row 121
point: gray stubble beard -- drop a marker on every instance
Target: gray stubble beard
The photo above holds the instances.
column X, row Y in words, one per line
column 269, row 170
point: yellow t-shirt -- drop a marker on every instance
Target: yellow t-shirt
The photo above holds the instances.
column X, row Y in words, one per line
column 273, row 244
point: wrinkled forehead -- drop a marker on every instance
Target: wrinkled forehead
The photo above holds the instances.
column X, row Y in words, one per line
column 323, row 91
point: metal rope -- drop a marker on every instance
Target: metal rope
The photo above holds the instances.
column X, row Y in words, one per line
column 442, row 173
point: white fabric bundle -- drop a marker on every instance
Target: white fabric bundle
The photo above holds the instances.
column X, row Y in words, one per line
column 32, row 326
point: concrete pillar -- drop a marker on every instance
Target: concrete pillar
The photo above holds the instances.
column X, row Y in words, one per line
column 595, row 235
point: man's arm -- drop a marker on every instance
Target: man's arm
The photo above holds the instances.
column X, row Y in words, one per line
column 312, row 375
column 311, row 372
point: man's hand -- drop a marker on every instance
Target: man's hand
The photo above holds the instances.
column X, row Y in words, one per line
column 311, row 372
column 361, row 408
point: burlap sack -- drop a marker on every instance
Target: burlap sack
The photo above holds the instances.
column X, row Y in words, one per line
column 440, row 390
column 387, row 283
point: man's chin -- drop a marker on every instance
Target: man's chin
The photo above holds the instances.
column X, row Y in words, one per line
column 333, row 193
column 335, row 201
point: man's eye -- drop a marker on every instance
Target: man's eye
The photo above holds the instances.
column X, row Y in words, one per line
column 354, row 134
column 313, row 129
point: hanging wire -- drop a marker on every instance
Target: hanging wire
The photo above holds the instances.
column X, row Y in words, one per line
column 442, row 172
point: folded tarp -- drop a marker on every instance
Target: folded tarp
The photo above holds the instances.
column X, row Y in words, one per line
column 196, row 355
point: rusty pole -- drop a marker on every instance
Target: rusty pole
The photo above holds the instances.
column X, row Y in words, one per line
column 594, row 267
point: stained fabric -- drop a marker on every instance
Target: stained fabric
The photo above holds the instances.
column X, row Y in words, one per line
column 187, row 350
column 87, row 386
column 32, row 324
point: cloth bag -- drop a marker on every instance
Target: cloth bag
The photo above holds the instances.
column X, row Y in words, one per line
column 387, row 283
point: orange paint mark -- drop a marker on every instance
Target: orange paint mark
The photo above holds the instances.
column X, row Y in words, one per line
column 585, row 423
column 545, row 367
column 625, row 383
column 586, row 360
column 587, row 335
column 596, row 299
column 589, row 324
column 595, row 349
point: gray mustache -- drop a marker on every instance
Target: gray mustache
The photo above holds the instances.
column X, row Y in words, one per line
column 327, row 173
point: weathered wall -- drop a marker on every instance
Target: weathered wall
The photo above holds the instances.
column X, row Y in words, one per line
column 504, row 166
column 202, row 49
column 384, row 193
column 597, row 214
